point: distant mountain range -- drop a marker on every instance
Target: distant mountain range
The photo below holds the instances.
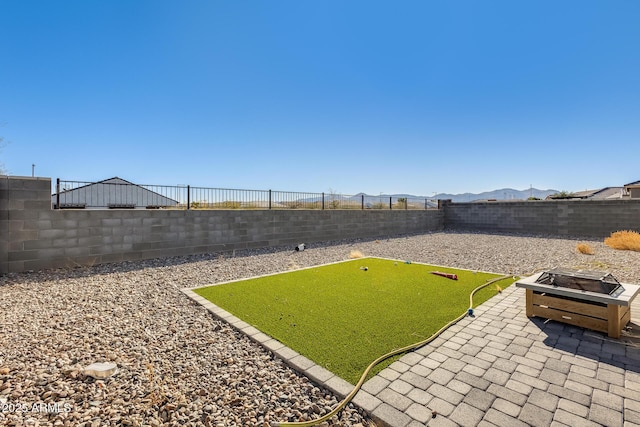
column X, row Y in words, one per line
column 501, row 194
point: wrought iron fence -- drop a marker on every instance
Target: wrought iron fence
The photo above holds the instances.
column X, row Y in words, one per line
column 117, row 193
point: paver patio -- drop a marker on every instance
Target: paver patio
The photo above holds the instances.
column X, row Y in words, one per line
column 498, row 368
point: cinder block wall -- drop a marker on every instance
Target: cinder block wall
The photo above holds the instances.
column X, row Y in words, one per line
column 35, row 237
column 564, row 218
column 22, row 204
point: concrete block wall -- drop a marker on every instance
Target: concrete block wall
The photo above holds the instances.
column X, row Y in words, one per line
column 33, row 236
column 22, row 201
column 36, row 237
column 563, row 218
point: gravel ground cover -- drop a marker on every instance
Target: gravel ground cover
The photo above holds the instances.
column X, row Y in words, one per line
column 180, row 366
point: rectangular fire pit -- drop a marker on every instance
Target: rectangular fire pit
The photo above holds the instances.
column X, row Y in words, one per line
column 589, row 299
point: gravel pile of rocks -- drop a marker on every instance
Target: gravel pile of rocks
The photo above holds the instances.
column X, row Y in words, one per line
column 177, row 365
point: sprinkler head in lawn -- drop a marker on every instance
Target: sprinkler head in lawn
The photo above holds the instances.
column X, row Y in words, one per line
column 364, row 268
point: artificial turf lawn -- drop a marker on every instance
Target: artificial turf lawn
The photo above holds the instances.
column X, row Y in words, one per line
column 343, row 317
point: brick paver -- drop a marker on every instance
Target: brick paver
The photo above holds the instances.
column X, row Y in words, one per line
column 496, row 369
column 508, row 370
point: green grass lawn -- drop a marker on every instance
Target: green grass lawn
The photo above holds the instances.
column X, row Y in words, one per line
column 343, row 317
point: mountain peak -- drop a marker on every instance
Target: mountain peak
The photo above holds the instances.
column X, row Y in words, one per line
column 500, row 194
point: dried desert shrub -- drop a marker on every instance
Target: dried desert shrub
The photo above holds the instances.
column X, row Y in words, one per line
column 355, row 254
column 584, row 248
column 626, row 240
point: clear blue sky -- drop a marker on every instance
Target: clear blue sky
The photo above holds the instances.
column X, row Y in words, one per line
column 411, row 96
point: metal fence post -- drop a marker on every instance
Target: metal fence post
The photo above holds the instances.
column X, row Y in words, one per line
column 57, row 193
column 154, row 197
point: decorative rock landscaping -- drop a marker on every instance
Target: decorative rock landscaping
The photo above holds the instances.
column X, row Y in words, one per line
column 177, row 364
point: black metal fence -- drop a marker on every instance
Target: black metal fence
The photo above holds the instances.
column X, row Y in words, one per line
column 117, row 193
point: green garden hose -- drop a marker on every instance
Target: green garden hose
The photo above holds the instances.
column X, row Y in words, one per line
column 392, row 353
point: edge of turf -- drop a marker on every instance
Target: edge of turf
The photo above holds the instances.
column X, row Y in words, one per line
column 300, row 363
column 333, row 263
column 238, row 315
column 284, row 272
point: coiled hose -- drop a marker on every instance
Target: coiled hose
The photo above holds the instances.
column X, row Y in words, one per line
column 392, row 353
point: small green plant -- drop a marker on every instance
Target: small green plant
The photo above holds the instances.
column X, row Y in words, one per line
column 626, row 240
column 562, row 195
column 295, row 205
column 402, row 203
column 334, row 199
column 230, row 205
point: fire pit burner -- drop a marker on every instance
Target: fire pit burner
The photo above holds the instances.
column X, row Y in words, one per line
column 589, row 299
column 592, row 281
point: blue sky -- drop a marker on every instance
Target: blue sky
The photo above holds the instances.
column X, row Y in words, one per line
column 395, row 97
